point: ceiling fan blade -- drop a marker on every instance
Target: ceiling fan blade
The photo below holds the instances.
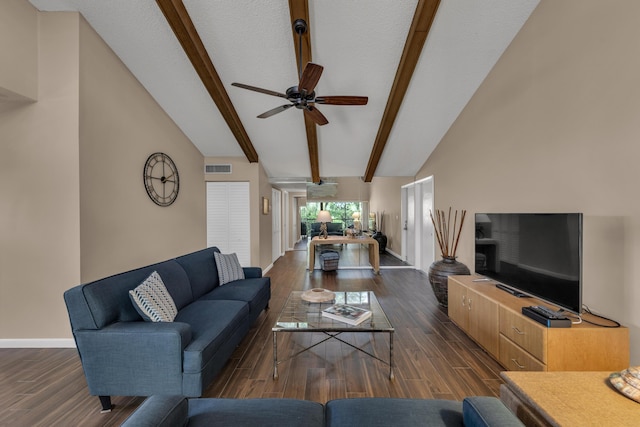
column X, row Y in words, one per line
column 310, row 77
column 258, row 89
column 274, row 111
column 315, row 115
column 342, row 100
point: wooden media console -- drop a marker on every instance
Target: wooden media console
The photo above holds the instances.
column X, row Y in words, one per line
column 493, row 319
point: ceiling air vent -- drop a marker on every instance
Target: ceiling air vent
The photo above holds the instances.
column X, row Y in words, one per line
column 217, row 168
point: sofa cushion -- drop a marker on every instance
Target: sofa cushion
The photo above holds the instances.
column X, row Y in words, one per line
column 253, row 291
column 212, row 323
column 229, row 268
column 201, row 269
column 383, row 412
column 152, row 300
column 108, row 299
column 255, row 412
column 160, row 411
column 484, row 411
column 334, row 227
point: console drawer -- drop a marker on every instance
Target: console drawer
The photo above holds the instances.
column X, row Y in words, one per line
column 525, row 333
column 514, row 358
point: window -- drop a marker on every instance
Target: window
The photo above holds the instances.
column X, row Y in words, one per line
column 341, row 212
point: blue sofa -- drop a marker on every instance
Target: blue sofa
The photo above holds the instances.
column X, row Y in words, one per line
column 124, row 355
column 165, row 411
column 333, row 229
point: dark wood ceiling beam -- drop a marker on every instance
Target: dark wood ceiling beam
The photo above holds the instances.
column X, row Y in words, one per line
column 420, row 26
column 299, row 9
column 182, row 26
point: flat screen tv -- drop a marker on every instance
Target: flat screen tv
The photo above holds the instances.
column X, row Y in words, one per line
column 539, row 255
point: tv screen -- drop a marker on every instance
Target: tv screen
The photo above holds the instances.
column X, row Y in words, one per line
column 538, row 254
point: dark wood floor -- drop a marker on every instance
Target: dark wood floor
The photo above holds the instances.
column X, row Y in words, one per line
column 433, row 358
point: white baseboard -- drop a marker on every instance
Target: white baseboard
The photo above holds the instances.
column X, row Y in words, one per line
column 38, row 343
column 266, row 270
column 394, row 254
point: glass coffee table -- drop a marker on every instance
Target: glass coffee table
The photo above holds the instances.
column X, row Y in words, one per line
column 298, row 315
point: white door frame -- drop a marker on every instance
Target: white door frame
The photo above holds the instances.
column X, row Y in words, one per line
column 276, row 224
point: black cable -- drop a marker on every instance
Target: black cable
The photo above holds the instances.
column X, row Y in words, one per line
column 588, row 310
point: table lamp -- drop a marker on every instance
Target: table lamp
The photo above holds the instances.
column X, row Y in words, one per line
column 357, row 225
column 323, row 218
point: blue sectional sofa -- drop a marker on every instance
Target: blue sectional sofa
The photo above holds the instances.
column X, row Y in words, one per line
column 174, row 411
column 124, row 355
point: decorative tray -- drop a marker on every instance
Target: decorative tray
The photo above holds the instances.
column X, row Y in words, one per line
column 318, row 295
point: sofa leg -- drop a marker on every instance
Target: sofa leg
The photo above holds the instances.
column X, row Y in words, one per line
column 105, row 401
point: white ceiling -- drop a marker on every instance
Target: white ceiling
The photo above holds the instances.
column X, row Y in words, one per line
column 359, row 43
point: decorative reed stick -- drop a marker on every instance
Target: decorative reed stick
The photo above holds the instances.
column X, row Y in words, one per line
column 448, row 237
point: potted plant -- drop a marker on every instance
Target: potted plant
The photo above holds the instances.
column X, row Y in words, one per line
column 448, row 236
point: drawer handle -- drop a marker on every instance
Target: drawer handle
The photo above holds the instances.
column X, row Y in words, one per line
column 469, row 304
column 517, row 364
column 518, row 331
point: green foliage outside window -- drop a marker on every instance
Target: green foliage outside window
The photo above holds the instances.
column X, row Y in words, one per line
column 341, row 212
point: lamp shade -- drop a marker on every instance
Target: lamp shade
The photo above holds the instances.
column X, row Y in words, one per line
column 356, row 215
column 483, row 219
column 324, row 216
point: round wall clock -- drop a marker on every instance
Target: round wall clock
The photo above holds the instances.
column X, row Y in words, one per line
column 161, row 179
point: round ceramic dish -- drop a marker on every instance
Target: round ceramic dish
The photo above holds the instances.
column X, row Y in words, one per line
column 318, row 295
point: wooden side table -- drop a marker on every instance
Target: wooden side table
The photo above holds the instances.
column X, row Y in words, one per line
column 567, row 399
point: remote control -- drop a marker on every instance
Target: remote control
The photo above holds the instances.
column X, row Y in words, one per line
column 546, row 312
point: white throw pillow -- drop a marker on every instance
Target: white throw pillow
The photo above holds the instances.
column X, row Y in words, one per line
column 229, row 268
column 152, row 300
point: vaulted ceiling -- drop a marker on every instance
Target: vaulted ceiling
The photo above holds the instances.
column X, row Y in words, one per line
column 418, row 62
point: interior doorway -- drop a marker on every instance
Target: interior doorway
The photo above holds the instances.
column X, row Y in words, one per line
column 418, row 245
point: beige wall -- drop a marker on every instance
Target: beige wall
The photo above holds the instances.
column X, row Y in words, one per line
column 39, row 184
column 555, row 128
column 19, row 47
column 120, row 126
column 74, row 207
column 386, row 197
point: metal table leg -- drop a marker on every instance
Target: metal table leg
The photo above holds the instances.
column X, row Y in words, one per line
column 391, row 376
column 275, row 356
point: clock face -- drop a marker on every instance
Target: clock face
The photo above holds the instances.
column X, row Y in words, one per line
column 161, row 179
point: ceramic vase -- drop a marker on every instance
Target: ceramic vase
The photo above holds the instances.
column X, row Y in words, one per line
column 439, row 273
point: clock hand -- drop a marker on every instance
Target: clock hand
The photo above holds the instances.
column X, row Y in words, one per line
column 162, row 179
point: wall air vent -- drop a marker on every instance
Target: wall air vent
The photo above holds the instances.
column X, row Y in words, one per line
column 217, row 168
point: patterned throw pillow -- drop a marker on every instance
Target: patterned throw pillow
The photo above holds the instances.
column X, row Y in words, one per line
column 229, row 268
column 152, row 300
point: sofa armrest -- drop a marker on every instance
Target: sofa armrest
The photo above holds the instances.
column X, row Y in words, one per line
column 124, row 358
column 160, row 411
column 252, row 272
column 487, row 411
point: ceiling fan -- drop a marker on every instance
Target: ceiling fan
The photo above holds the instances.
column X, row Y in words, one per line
column 303, row 95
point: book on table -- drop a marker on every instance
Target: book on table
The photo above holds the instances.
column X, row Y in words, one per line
column 347, row 313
